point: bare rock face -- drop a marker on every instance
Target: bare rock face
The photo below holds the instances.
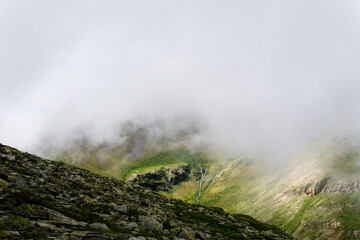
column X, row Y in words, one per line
column 316, row 187
column 333, row 172
column 329, row 185
column 42, row 199
column 162, row 178
column 346, row 184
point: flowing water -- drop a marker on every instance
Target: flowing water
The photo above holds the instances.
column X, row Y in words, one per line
column 200, row 181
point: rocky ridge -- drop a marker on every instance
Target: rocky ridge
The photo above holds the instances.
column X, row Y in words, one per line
column 43, row 199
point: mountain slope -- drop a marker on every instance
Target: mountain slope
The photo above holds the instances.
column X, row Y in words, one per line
column 316, row 198
column 42, row 199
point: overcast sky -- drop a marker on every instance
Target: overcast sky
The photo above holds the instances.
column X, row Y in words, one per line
column 261, row 74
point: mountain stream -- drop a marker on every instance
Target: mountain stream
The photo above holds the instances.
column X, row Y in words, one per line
column 200, row 181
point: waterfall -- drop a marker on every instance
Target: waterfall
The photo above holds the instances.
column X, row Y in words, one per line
column 201, row 179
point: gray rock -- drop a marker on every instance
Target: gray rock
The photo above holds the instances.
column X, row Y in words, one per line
column 137, row 238
column 100, row 226
column 45, row 224
column 58, row 217
column 187, row 233
column 316, row 188
column 20, row 182
column 151, row 223
column 132, row 225
column 105, row 216
column 13, row 233
column 10, row 157
column 125, row 208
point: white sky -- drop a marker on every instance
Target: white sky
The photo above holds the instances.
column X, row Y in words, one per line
column 271, row 75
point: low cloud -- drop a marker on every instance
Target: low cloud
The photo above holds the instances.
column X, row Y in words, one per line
column 263, row 77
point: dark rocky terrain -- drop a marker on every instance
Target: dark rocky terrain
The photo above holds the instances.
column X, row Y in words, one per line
column 162, row 178
column 43, row 199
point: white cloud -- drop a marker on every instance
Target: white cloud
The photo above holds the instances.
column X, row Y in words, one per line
column 267, row 75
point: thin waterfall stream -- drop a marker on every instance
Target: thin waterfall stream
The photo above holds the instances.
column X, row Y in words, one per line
column 200, row 181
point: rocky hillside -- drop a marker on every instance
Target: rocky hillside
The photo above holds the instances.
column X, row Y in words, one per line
column 42, row 199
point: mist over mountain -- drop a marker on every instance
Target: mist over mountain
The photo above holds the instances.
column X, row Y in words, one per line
column 156, row 115
column 132, row 138
column 263, row 77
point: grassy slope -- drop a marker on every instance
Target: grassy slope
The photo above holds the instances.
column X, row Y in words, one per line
column 156, row 160
column 248, row 190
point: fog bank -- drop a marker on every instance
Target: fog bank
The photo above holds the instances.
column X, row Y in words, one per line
column 260, row 76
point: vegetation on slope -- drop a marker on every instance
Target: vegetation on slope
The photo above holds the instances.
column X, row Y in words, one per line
column 316, row 199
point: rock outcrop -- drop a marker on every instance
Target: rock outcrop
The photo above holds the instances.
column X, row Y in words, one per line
column 313, row 189
column 327, row 185
column 42, row 199
column 346, row 184
column 162, row 178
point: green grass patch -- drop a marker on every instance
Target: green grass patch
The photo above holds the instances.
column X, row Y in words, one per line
column 161, row 159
